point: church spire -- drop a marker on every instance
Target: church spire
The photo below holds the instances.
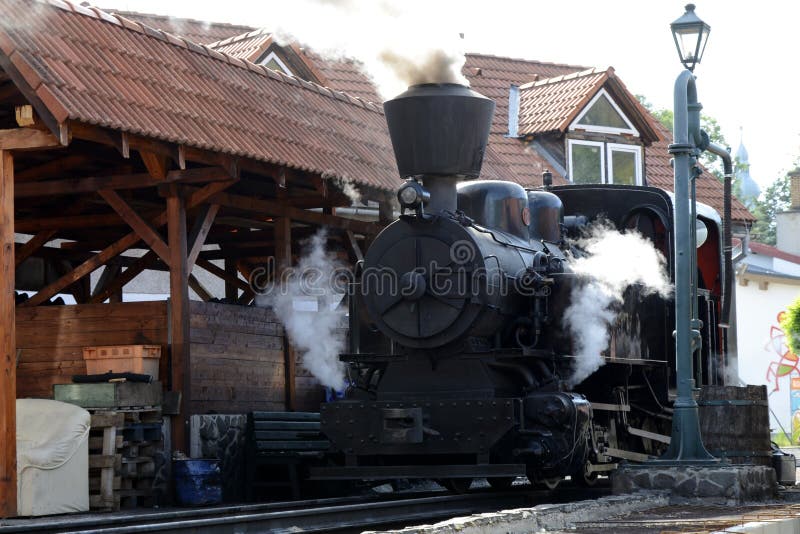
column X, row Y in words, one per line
column 748, row 188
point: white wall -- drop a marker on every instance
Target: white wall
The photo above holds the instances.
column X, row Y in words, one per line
column 761, row 345
column 788, row 229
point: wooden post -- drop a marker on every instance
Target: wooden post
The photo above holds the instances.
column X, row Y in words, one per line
column 179, row 315
column 231, row 290
column 283, row 260
column 8, row 348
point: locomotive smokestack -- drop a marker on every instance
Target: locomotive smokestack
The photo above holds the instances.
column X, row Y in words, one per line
column 439, row 133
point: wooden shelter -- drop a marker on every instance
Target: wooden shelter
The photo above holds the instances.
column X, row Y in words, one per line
column 116, row 137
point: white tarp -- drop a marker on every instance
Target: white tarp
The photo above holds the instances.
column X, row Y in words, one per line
column 52, row 457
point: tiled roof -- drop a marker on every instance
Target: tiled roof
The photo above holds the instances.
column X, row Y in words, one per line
column 492, row 76
column 199, row 31
column 773, row 252
column 95, row 68
column 551, row 104
column 344, row 75
column 659, row 174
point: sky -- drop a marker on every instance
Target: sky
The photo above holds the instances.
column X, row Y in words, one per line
column 748, row 79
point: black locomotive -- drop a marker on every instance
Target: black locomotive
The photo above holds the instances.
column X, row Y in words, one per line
column 458, row 349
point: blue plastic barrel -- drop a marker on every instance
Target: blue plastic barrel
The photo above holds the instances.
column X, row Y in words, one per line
column 197, row 482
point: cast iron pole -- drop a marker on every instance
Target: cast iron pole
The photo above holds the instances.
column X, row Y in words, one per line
column 686, row 446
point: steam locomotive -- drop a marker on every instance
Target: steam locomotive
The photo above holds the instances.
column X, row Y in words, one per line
column 458, row 345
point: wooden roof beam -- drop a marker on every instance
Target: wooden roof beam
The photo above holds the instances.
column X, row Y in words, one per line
column 43, row 236
column 51, row 168
column 157, row 164
column 199, row 289
column 277, row 209
column 197, row 238
column 115, row 285
column 196, row 198
column 119, row 182
column 101, row 220
column 22, row 139
column 152, row 238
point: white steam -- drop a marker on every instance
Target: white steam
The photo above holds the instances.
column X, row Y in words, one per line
column 317, row 335
column 345, row 184
column 398, row 43
column 614, row 262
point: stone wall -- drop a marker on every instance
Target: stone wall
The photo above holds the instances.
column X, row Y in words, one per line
column 724, row 484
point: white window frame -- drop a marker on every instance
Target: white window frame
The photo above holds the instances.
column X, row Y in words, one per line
column 634, row 149
column 576, row 124
column 572, row 142
column 273, row 56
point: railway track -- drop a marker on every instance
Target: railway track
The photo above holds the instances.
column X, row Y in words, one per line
column 323, row 515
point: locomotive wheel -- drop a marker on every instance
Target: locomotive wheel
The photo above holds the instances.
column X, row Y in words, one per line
column 457, row 485
column 586, row 478
column 550, row 483
column 500, row 483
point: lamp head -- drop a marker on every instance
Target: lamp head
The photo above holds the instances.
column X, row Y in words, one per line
column 690, row 34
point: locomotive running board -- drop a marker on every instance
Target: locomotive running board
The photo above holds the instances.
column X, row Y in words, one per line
column 381, row 472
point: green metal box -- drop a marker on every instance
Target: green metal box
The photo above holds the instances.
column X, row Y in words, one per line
column 109, row 395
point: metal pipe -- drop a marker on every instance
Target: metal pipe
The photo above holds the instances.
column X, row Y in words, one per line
column 727, row 239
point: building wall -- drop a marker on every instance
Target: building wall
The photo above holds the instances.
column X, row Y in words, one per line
column 237, row 355
column 763, row 355
column 50, row 339
column 788, row 230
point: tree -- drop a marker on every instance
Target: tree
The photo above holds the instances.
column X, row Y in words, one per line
column 775, row 199
column 790, row 324
column 712, row 163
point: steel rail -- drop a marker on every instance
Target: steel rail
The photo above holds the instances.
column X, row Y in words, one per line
column 321, row 516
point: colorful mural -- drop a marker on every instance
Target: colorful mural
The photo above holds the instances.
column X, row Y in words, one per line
column 786, row 361
column 794, row 392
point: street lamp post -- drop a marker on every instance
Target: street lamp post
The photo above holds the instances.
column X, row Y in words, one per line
column 689, row 141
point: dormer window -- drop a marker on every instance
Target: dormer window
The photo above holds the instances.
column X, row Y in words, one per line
column 603, row 115
column 600, row 162
column 273, row 62
column 600, row 145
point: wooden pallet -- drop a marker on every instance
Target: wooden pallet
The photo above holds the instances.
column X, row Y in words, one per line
column 123, row 445
column 104, row 462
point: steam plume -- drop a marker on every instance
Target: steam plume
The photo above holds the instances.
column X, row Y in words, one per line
column 317, row 335
column 398, row 44
column 345, row 184
column 615, row 261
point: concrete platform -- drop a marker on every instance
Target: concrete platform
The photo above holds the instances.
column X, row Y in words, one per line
column 730, row 484
column 647, row 512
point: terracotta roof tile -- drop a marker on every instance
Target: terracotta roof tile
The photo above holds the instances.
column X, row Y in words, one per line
column 198, row 31
column 344, row 75
column 551, row 104
column 144, row 83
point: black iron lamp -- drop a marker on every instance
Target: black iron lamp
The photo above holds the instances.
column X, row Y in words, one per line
column 412, row 195
column 690, row 34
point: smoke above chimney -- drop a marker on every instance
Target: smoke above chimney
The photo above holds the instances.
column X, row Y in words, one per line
column 399, row 43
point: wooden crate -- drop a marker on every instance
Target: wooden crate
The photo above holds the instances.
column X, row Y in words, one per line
column 110, row 395
column 141, row 359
